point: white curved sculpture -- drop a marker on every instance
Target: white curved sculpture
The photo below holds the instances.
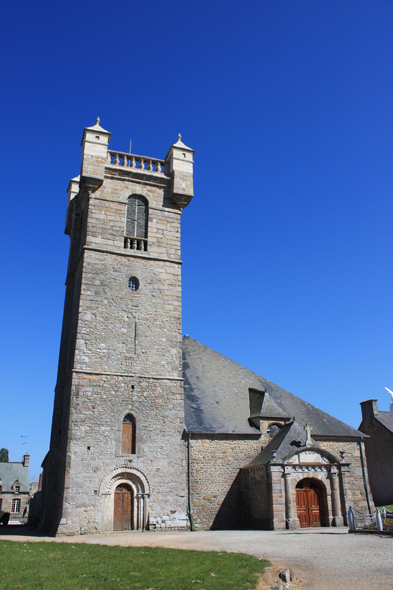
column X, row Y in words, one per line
column 391, row 403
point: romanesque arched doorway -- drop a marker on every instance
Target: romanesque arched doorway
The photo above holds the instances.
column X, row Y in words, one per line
column 309, row 503
column 123, row 517
column 124, row 494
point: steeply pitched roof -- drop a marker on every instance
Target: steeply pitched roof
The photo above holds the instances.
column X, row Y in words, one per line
column 270, row 409
column 216, row 397
column 287, row 440
column 386, row 419
column 12, row 472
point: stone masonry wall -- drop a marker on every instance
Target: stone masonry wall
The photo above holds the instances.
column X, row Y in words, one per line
column 107, row 215
column 379, row 453
column 354, row 481
column 120, row 353
column 99, row 404
column 124, row 331
column 257, row 497
column 216, row 495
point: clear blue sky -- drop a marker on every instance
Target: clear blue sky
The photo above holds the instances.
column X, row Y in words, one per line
column 287, row 245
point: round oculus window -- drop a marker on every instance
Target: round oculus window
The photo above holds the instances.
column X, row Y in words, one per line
column 133, row 284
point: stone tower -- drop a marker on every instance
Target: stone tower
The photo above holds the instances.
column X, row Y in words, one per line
column 117, row 456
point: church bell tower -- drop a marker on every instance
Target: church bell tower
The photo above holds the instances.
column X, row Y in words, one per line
column 117, row 458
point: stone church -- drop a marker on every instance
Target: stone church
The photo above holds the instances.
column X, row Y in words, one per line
column 152, row 431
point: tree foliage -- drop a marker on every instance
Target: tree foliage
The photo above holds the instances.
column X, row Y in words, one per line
column 3, row 455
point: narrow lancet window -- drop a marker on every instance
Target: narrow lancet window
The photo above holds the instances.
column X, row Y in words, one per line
column 128, row 435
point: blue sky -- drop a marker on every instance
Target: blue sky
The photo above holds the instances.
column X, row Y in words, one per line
column 287, row 242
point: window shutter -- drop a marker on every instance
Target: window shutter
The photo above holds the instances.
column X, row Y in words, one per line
column 131, row 217
column 136, row 223
column 141, row 219
column 128, row 436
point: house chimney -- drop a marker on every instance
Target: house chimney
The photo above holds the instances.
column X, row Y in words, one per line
column 369, row 409
column 26, row 459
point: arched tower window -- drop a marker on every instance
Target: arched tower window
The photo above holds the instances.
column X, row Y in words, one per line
column 128, row 435
column 136, row 223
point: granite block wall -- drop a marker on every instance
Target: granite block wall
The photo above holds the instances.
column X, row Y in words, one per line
column 216, row 480
column 120, row 353
column 353, row 480
column 99, row 404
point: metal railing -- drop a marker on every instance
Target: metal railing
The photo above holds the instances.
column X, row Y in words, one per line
column 380, row 520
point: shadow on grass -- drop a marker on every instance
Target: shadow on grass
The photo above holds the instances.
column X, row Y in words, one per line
column 22, row 530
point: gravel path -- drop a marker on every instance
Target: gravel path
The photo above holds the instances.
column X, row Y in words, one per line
column 323, row 559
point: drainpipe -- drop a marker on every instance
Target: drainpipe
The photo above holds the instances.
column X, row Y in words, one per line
column 189, row 480
column 364, row 474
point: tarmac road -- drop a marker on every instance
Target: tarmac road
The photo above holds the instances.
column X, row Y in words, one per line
column 322, row 558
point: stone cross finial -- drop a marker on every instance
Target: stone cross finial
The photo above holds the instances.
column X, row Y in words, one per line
column 307, row 428
column 98, row 121
column 179, row 137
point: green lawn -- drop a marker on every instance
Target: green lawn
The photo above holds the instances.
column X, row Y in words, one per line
column 388, row 507
column 62, row 566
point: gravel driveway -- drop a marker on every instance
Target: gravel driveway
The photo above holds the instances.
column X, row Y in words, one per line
column 324, row 559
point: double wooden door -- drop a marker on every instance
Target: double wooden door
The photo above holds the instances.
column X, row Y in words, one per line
column 123, row 512
column 309, row 503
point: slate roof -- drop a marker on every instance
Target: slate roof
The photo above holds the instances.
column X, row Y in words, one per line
column 10, row 473
column 287, row 440
column 216, row 397
column 386, row 419
column 270, row 409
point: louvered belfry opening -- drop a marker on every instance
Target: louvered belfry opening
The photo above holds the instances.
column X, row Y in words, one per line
column 128, row 435
column 136, row 223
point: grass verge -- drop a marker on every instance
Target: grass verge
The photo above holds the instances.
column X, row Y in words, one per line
column 62, row 566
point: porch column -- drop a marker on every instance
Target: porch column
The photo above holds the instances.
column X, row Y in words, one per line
column 277, row 497
column 292, row 523
column 336, row 508
column 145, row 497
column 347, row 491
column 138, row 512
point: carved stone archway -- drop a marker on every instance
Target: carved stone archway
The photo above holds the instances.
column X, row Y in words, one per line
column 137, row 481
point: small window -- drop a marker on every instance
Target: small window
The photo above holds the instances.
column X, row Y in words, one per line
column 273, row 429
column 17, row 489
column 1, row 489
column 133, row 284
column 15, row 505
column 128, row 435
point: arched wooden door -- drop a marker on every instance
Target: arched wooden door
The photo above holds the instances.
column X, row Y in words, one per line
column 124, row 504
column 309, row 503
